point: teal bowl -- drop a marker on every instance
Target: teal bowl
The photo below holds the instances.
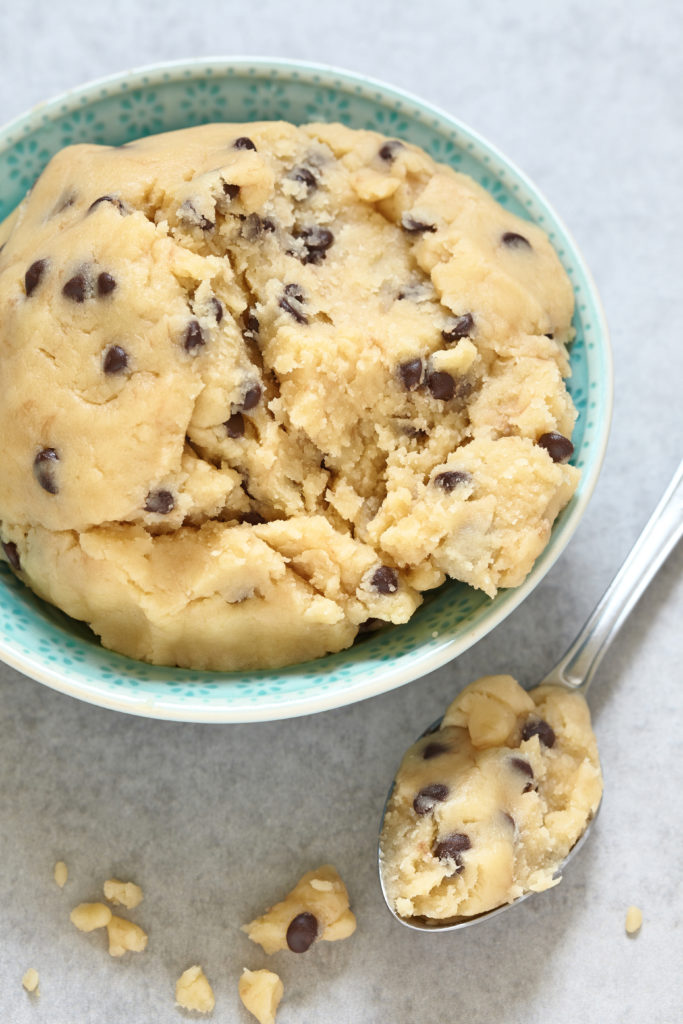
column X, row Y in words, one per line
column 46, row 645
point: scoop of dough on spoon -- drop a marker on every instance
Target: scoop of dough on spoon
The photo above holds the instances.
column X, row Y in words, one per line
column 495, row 798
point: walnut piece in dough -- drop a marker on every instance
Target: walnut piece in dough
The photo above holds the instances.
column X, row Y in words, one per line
column 269, row 382
column 261, row 992
column 193, row 991
column 316, row 908
column 487, row 807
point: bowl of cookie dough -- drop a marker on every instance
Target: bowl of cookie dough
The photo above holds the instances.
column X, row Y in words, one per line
column 47, row 645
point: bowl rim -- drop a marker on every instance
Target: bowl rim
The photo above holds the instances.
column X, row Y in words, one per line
column 385, row 678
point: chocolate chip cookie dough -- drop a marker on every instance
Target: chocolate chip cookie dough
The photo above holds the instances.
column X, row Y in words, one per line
column 263, row 383
column 486, row 808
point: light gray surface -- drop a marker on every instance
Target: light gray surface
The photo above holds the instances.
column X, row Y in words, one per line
column 216, row 822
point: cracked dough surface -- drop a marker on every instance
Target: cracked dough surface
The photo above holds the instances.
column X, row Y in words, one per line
column 487, row 807
column 263, row 383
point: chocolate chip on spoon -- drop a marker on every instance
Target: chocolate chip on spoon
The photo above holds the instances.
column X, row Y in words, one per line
column 428, row 797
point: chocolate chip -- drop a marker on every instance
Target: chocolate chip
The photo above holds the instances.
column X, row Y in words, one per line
column 33, row 276
column 12, row 554
column 410, row 373
column 189, row 213
column 243, row 143
column 44, row 469
column 558, row 447
column 515, row 241
column 520, row 765
column 550, row 336
column 194, row 336
column 433, row 750
column 389, row 150
column 428, row 797
column 160, row 502
column 290, row 301
column 76, row 288
column 251, row 227
column 317, row 241
column 252, row 323
column 268, row 224
column 252, row 397
column 449, row 480
column 115, row 359
column 217, row 307
column 231, row 191
column 235, row 425
column 416, row 432
column 441, row 385
column 252, row 518
column 462, row 327
column 414, row 226
column 305, row 176
column 451, row 847
column 538, row 727
column 114, row 200
column 384, row 580
column 105, row 284
column 302, row 932
column 370, row 625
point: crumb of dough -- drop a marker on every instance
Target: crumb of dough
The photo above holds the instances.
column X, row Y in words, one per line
column 261, row 992
column 30, row 980
column 193, row 991
column 125, row 894
column 89, row 916
column 634, row 920
column 125, row 936
column 60, row 873
column 487, row 807
column 316, row 908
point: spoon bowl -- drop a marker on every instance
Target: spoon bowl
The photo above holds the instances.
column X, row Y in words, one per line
column 576, row 669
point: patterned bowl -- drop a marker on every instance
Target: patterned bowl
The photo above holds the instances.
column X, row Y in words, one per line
column 46, row 645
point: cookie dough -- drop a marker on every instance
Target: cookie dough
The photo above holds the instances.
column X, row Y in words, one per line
column 31, row 980
column 316, row 908
column 60, row 873
column 634, row 920
column 264, row 383
column 261, row 992
column 193, row 991
column 89, row 916
column 126, row 894
column 487, row 807
column 125, row 936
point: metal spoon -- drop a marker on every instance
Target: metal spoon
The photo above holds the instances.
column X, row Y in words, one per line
column 576, row 669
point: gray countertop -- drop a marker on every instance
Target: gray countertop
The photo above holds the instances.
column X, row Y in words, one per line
column 217, row 822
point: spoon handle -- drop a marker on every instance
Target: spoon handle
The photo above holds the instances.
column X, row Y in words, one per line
column 663, row 530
